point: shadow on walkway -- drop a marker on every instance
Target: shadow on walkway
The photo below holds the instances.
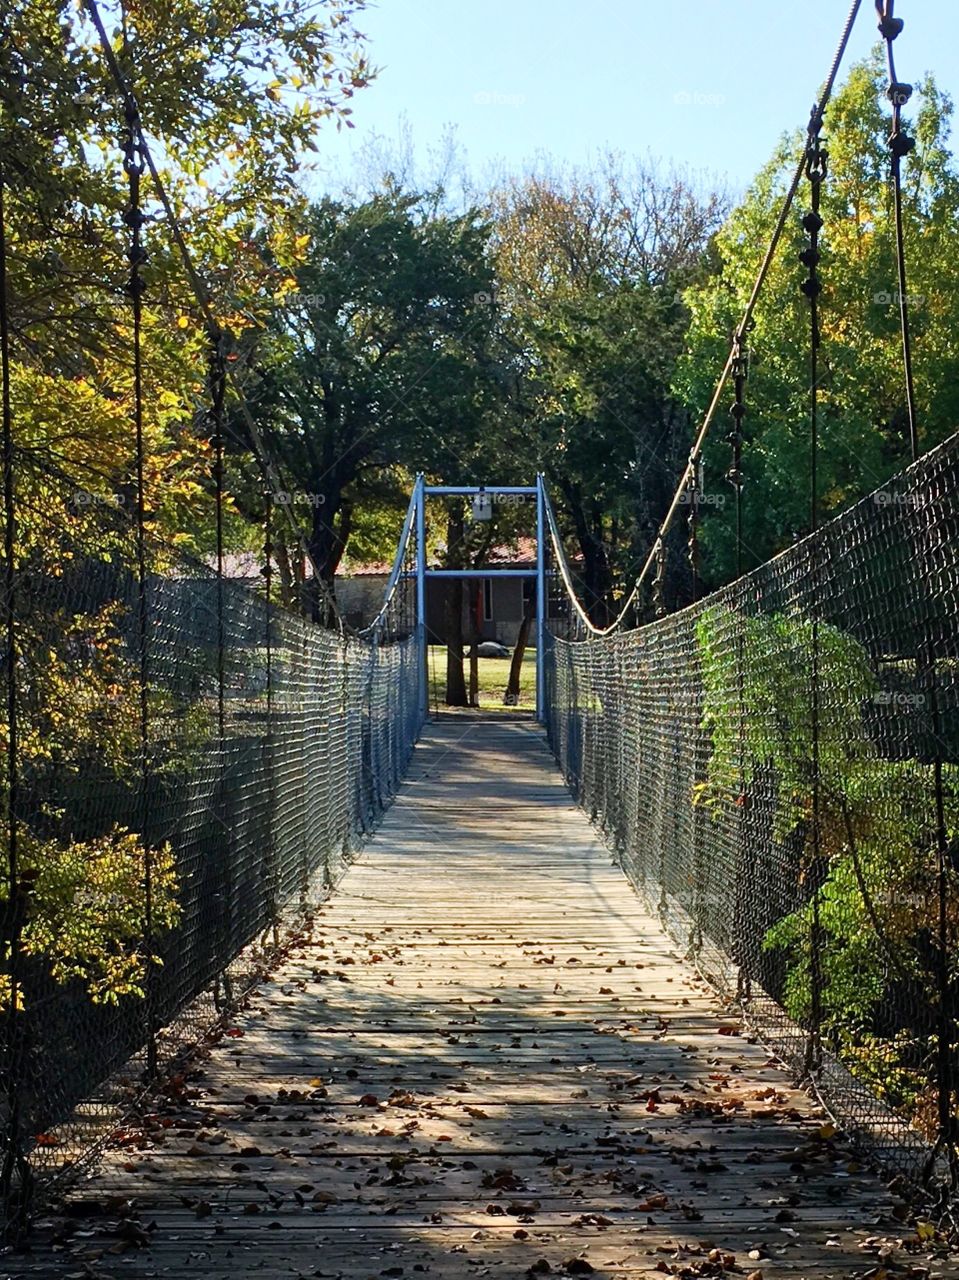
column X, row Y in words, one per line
column 487, row 1061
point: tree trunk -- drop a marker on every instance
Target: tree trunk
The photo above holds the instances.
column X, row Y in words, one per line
column 329, row 531
column 596, row 580
column 289, row 592
column 596, row 576
column 511, row 696
column 455, row 680
column 474, row 642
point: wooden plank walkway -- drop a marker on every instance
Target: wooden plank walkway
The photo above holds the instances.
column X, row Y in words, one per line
column 488, row 1061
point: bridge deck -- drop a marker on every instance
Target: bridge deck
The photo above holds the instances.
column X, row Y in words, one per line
column 487, row 1061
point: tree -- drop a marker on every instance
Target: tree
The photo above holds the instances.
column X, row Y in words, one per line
column 382, row 357
column 197, row 70
column 590, row 266
column 230, row 153
column 863, row 437
column 864, row 880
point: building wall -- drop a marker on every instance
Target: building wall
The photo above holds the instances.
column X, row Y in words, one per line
column 359, row 598
column 507, row 609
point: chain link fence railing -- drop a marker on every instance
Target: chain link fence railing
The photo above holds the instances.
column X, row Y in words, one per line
column 776, row 766
column 195, row 766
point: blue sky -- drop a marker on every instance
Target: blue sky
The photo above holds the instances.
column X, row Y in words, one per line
column 708, row 84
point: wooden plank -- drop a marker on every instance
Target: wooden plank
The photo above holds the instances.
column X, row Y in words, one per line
column 487, row 1055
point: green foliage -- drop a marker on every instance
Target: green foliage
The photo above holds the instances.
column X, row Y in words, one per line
column 87, row 918
column 589, row 269
column 875, row 886
column 381, row 357
column 776, row 729
column 83, row 906
column 863, row 436
column 230, row 97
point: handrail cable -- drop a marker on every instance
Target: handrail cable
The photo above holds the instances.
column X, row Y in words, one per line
column 396, row 573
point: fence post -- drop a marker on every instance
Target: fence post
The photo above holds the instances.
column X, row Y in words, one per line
column 270, row 735
column 135, row 166
column 374, row 796
column 540, row 601
column 947, row 1032
column 946, row 1137
column 816, row 158
column 745, row 865
column 216, row 379
column 15, row 1173
column 421, row 633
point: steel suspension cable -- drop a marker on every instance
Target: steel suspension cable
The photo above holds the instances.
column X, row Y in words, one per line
column 815, row 123
column 695, row 493
column 816, row 165
column 216, row 377
column 734, row 475
column 396, row 572
column 14, row 1162
column 900, row 144
column 268, row 466
column 134, row 218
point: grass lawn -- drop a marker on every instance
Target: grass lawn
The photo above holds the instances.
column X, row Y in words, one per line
column 493, row 675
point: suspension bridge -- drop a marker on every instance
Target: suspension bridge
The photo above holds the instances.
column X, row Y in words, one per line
column 298, row 981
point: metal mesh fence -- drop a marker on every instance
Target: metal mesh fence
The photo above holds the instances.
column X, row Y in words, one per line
column 777, row 768
column 196, row 765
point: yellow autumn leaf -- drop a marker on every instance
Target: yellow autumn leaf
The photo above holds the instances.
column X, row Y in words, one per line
column 182, row 322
